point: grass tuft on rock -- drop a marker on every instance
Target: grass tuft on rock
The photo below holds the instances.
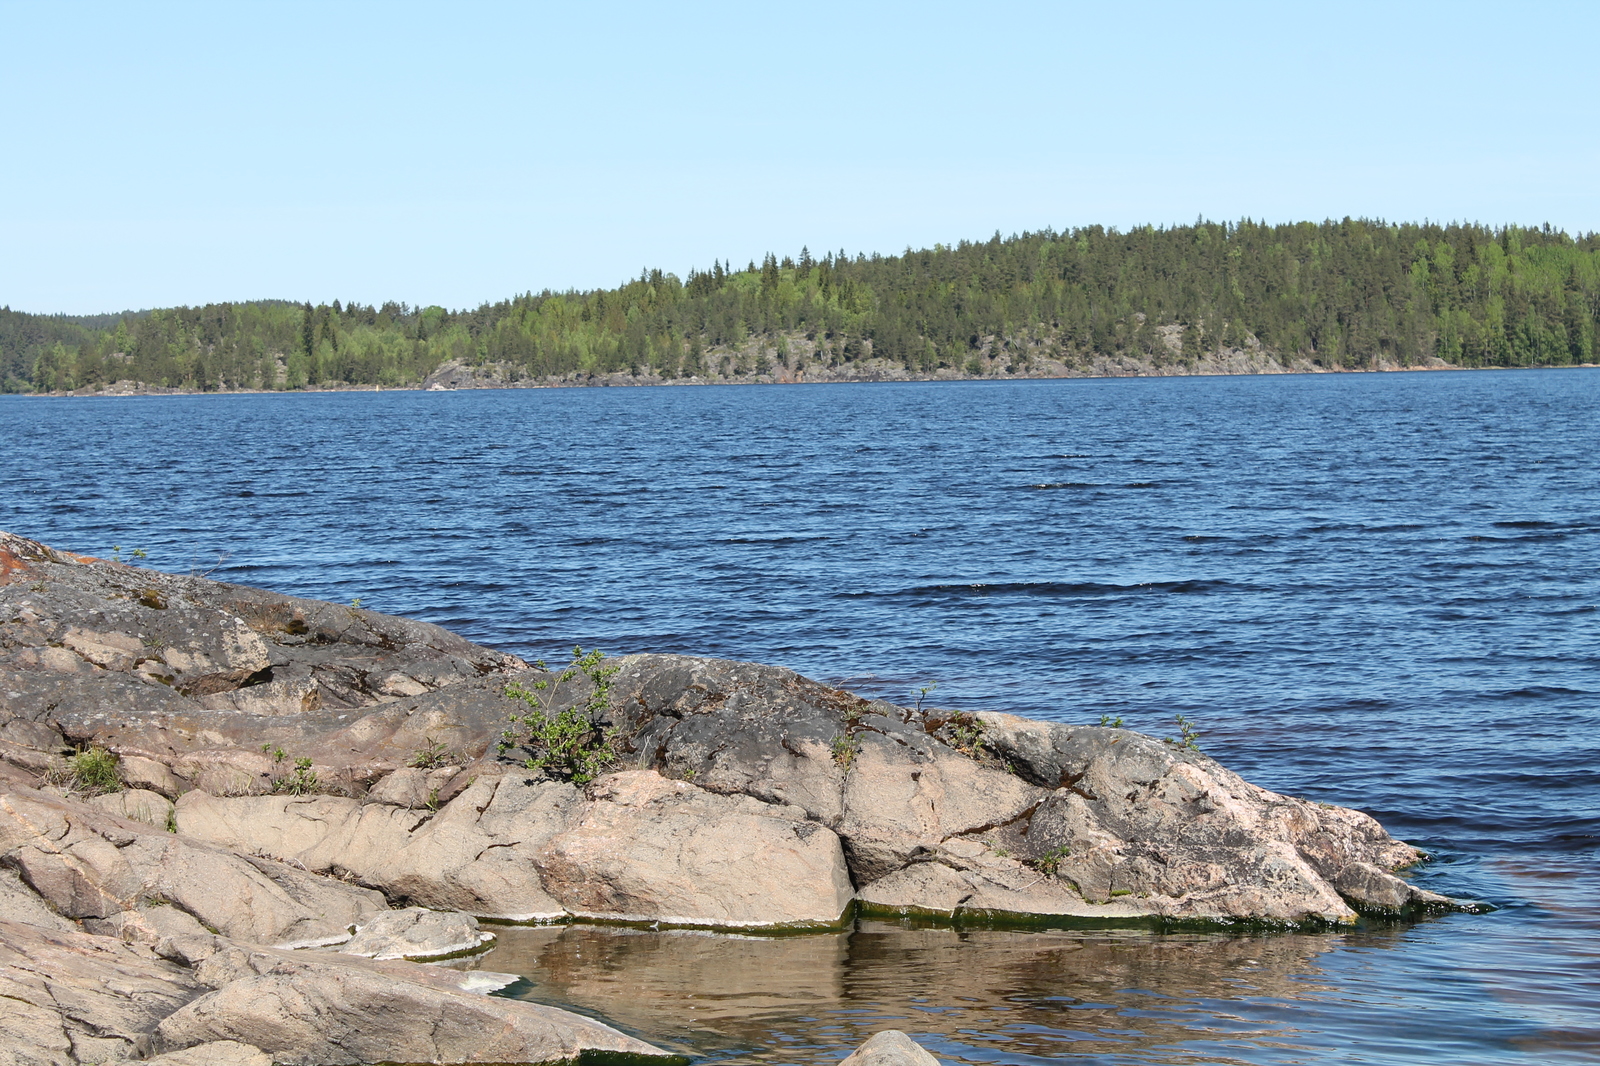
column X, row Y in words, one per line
column 93, row 771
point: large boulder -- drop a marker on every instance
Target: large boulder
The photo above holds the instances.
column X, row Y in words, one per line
column 646, row 848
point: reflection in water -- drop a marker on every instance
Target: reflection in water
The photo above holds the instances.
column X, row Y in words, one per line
column 980, row 995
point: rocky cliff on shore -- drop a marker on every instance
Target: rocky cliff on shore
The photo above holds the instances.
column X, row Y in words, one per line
column 197, row 779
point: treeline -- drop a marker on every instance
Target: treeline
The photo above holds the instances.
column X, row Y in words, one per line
column 1336, row 294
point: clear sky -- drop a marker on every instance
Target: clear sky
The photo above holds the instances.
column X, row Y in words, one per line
column 161, row 154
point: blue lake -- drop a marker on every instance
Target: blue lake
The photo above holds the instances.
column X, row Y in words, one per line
column 1373, row 590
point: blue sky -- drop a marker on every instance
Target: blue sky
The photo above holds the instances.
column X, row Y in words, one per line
column 160, row 154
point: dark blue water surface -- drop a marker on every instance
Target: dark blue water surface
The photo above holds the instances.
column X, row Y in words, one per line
column 1374, row 590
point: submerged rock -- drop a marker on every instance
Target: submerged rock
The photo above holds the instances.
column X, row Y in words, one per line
column 313, row 1009
column 416, row 933
column 341, row 745
column 891, row 1047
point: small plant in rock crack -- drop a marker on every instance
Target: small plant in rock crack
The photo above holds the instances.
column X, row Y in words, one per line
column 853, row 714
column 1049, row 863
column 565, row 743
column 1110, row 722
column 844, row 751
column 300, row 781
column 433, row 756
column 276, row 751
column 1188, row 736
column 924, row 692
column 965, row 734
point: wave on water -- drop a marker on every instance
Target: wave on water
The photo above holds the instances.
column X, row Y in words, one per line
column 1052, row 590
column 1093, row 485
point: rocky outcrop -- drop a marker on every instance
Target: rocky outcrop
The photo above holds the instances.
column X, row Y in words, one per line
column 195, row 676
column 949, row 813
column 202, row 784
column 347, row 746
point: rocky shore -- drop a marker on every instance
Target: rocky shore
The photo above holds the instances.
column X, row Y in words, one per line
column 233, row 820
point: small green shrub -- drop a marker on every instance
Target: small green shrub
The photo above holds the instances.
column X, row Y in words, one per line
column 1110, row 722
column 966, row 734
column 1188, row 735
column 844, row 751
column 301, row 781
column 565, row 743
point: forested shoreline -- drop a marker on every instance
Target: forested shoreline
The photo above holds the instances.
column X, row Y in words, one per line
column 1353, row 294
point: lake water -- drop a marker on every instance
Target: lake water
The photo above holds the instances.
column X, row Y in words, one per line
column 1373, row 590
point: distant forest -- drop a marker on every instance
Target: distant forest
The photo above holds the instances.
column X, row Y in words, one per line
column 1336, row 294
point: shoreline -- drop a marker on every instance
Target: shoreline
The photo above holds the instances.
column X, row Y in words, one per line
column 453, row 377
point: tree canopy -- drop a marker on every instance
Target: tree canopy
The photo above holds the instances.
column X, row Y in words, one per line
column 1337, row 294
